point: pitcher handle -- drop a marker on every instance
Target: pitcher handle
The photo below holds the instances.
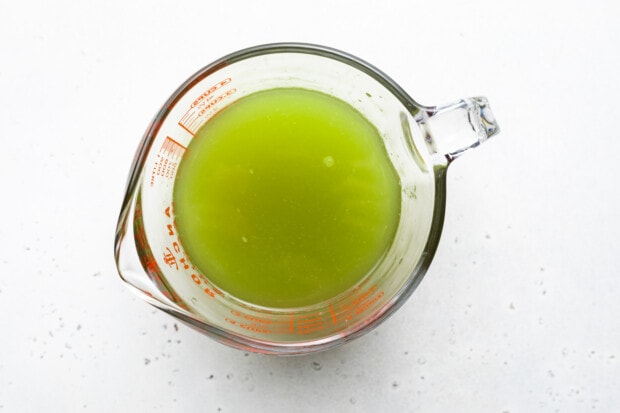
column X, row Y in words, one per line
column 451, row 130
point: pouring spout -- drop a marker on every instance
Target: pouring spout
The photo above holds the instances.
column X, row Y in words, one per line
column 451, row 130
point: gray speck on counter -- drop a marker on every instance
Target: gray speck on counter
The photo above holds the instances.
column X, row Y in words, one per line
column 394, row 384
column 316, row 365
column 147, row 361
column 229, row 376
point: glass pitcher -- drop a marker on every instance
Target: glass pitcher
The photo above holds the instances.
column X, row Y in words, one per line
column 420, row 141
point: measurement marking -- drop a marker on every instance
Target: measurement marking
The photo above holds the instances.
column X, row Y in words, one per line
column 165, row 166
column 188, row 131
column 290, row 326
column 309, row 323
column 175, row 142
column 205, row 106
column 172, row 147
column 331, row 311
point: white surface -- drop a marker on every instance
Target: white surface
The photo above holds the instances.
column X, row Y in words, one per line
column 519, row 311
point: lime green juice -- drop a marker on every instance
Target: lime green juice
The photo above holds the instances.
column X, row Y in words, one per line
column 286, row 198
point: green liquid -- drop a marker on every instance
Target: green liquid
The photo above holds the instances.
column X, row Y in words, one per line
column 286, row 198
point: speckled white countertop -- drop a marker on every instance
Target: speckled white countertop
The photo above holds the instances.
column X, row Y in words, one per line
column 519, row 311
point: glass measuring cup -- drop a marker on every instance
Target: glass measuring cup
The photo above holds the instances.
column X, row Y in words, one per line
column 420, row 141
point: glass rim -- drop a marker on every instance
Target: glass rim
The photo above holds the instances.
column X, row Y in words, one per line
column 396, row 301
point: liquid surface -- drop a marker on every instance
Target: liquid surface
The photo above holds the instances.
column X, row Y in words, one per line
column 286, row 198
